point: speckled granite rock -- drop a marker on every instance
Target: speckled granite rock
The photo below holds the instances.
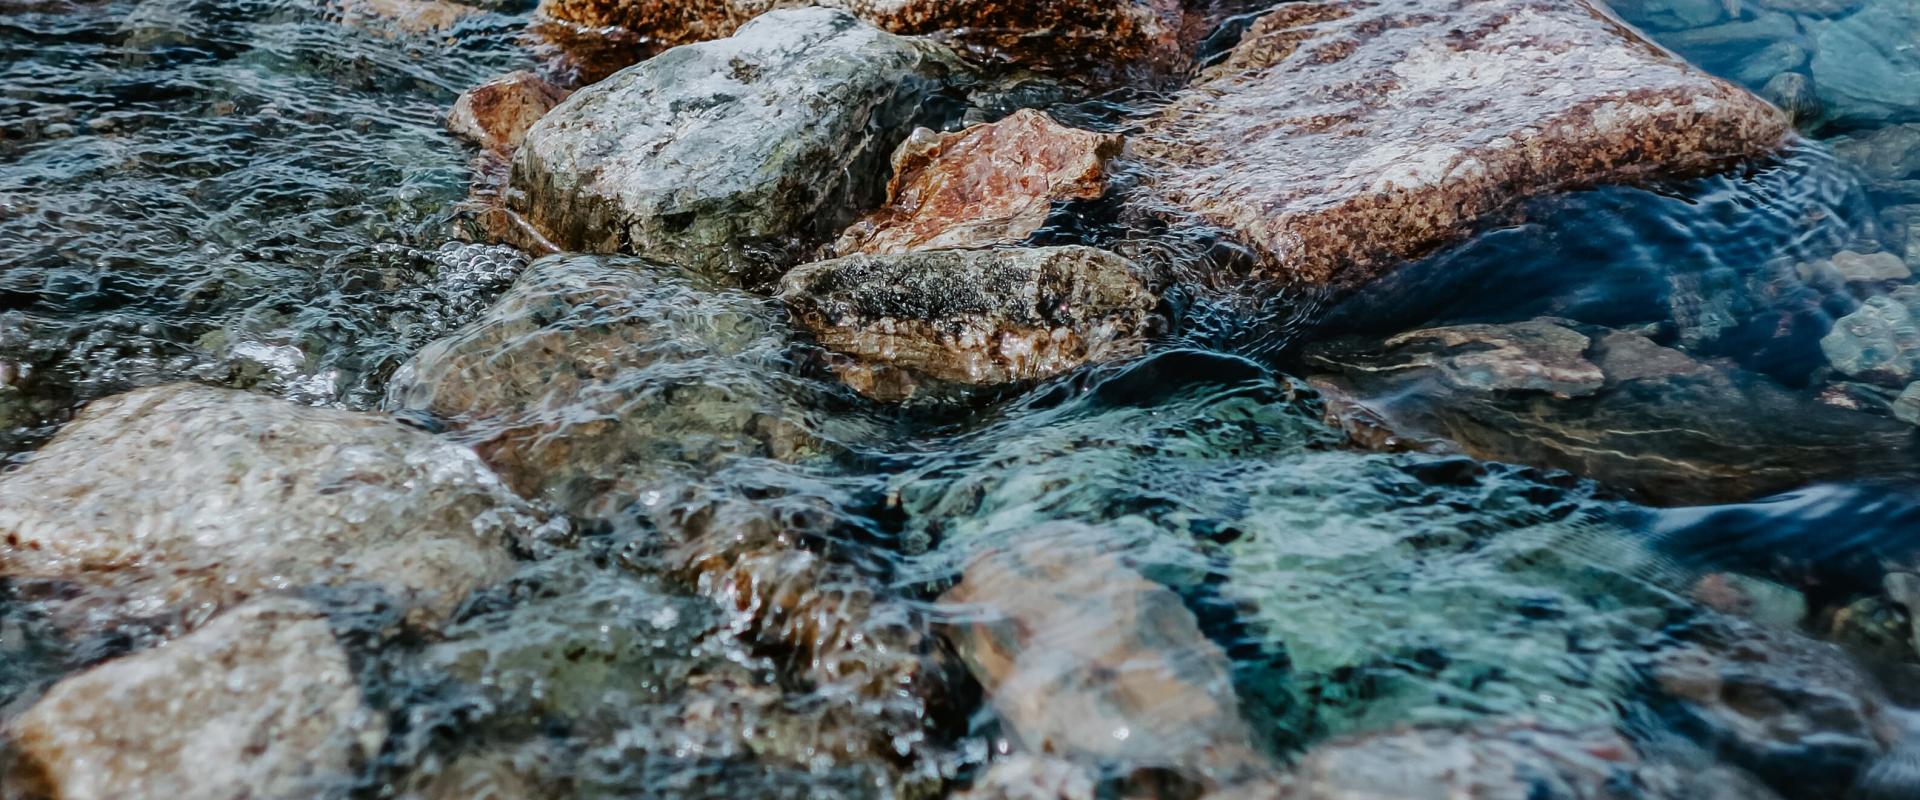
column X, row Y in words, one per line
column 1042, row 33
column 189, row 494
column 1084, row 659
column 735, row 156
column 1651, row 421
column 496, row 115
column 971, row 317
column 259, row 703
column 989, row 184
column 1342, row 137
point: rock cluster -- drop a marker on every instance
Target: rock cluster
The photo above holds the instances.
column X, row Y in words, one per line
column 1340, row 138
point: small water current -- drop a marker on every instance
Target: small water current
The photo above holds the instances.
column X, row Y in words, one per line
column 260, row 194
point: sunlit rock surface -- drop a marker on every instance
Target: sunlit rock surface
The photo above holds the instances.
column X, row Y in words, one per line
column 990, row 184
column 496, row 115
column 1646, row 419
column 971, row 317
column 734, row 156
column 1339, row 138
column 185, row 494
column 259, row 703
column 1084, row 659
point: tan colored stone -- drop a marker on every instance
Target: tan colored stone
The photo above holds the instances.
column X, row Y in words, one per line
column 1342, row 137
column 497, row 114
column 260, row 703
column 988, row 184
column 402, row 16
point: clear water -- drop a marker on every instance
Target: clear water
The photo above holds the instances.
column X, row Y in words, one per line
column 259, row 193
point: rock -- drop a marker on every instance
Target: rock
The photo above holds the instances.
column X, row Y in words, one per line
column 496, row 115
column 1793, row 711
column 1906, row 407
column 594, row 381
column 986, row 185
column 1513, row 761
column 1900, row 231
column 1340, row 138
column 1062, row 34
column 1772, row 61
column 971, row 317
column 735, row 156
column 1815, row 8
column 259, row 703
column 1885, row 155
column 1848, row 266
column 1793, row 92
column 402, row 17
column 1671, row 15
column 1880, row 342
column 1864, row 63
column 1743, row 36
column 186, row 494
column 1660, row 425
column 1084, row 659
column 1030, row 777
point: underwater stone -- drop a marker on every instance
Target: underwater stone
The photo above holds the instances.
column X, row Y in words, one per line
column 971, row 317
column 1864, row 63
column 402, row 17
column 1340, row 138
column 989, row 184
column 1083, row 658
column 496, row 115
column 260, row 702
column 735, row 156
column 186, row 494
column 1880, row 342
column 1793, row 92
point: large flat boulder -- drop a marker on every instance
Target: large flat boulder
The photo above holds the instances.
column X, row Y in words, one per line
column 734, row 156
column 1342, row 137
column 259, row 703
column 971, row 317
column 187, row 494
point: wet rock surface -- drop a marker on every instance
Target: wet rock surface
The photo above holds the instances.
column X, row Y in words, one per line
column 183, row 494
column 1881, row 341
column 990, row 184
column 971, row 317
column 734, row 156
column 1647, row 419
column 497, row 114
column 261, row 702
column 1321, row 140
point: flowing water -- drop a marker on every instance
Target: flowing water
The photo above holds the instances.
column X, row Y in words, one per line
column 260, row 194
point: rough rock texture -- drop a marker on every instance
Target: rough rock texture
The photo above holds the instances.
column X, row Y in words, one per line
column 1492, row 762
column 1084, row 659
column 1864, row 63
column 1615, row 406
column 402, row 17
column 260, row 703
column 1881, row 341
column 971, row 317
column 497, row 114
column 1342, row 137
column 734, row 156
column 1059, row 33
column 189, row 494
column 989, row 184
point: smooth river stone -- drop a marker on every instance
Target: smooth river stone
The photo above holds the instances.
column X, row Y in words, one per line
column 971, row 317
column 1340, row 138
column 497, row 114
column 259, row 703
column 737, row 156
column 989, row 184
column 190, row 494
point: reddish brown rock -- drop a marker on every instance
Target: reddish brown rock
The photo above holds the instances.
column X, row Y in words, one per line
column 1156, row 34
column 497, row 114
column 989, row 184
column 1342, row 137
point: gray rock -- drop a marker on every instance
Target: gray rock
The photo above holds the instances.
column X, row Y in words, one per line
column 1747, row 35
column 186, row 494
column 971, row 317
column 1880, row 342
column 1906, row 408
column 1816, row 8
column 1793, row 92
column 1772, row 61
column 1849, row 266
column 259, row 703
column 1865, row 64
column 1900, row 232
column 733, row 156
column 1671, row 15
column 1885, row 155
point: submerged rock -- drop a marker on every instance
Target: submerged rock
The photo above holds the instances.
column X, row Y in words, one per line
column 971, row 317
column 259, row 703
column 1340, row 138
column 408, row 17
column 496, row 115
column 1084, row 659
column 989, row 184
column 1646, row 419
column 734, row 156
column 1864, row 63
column 1881, row 341
column 187, row 494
